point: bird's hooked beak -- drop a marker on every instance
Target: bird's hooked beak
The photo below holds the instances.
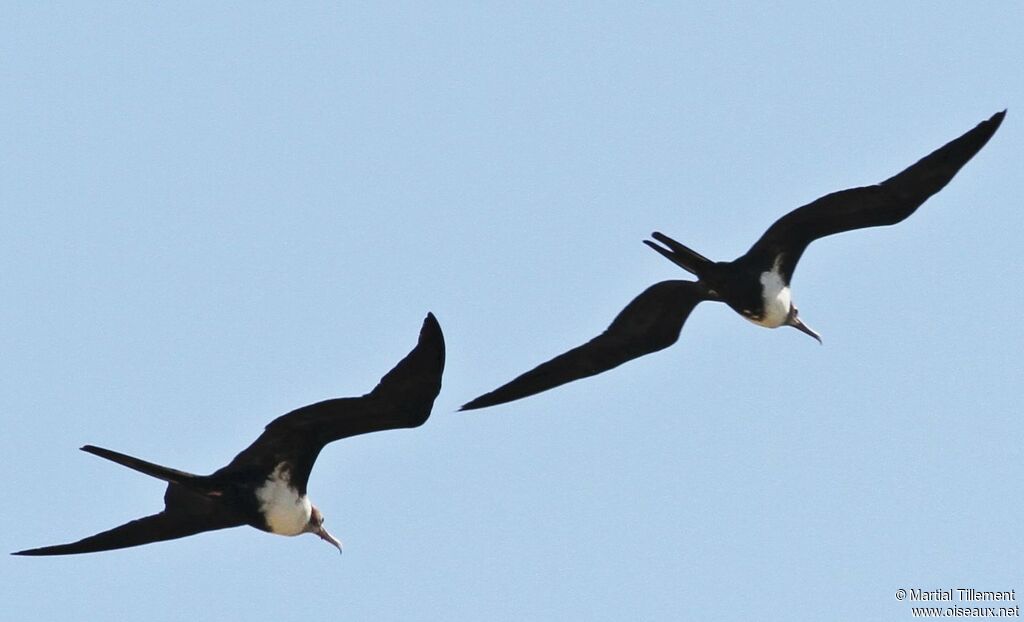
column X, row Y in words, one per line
column 326, row 536
column 794, row 321
column 316, row 525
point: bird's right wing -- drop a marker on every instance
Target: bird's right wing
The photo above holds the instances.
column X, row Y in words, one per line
column 186, row 514
column 886, row 203
column 651, row 322
column 403, row 398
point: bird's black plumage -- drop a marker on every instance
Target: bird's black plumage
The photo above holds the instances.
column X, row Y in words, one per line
column 402, row 399
column 651, row 322
column 186, row 513
column 197, row 503
column 887, row 203
column 752, row 283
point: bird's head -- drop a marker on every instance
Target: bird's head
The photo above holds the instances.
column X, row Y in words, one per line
column 316, row 525
column 794, row 320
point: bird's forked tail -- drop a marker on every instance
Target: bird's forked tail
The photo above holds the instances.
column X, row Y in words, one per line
column 686, row 258
column 153, row 470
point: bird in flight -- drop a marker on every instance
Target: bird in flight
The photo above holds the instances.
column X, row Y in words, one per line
column 265, row 485
column 755, row 285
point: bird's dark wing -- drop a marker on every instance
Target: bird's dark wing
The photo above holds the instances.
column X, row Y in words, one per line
column 651, row 322
column 403, row 399
column 887, row 203
column 186, row 513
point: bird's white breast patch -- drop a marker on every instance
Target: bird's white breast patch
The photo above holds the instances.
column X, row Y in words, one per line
column 287, row 513
column 777, row 301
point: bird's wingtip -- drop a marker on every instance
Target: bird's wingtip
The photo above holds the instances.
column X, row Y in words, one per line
column 430, row 325
column 997, row 118
column 431, row 334
column 477, row 403
column 494, row 398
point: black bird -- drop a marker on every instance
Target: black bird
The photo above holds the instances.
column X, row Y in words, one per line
column 265, row 485
column 755, row 285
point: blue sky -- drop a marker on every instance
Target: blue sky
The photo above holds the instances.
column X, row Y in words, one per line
column 215, row 214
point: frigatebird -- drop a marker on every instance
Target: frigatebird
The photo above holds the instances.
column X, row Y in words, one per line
column 265, row 485
column 755, row 285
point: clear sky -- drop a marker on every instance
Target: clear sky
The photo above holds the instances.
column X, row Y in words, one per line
column 213, row 214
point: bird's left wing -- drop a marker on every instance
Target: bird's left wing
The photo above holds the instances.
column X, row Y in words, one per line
column 651, row 322
column 403, row 399
column 186, row 513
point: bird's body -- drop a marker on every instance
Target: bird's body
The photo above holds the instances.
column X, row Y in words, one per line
column 757, row 284
column 285, row 511
column 264, row 486
column 775, row 302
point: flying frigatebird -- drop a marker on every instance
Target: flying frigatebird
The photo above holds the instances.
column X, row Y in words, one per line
column 755, row 285
column 265, row 485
